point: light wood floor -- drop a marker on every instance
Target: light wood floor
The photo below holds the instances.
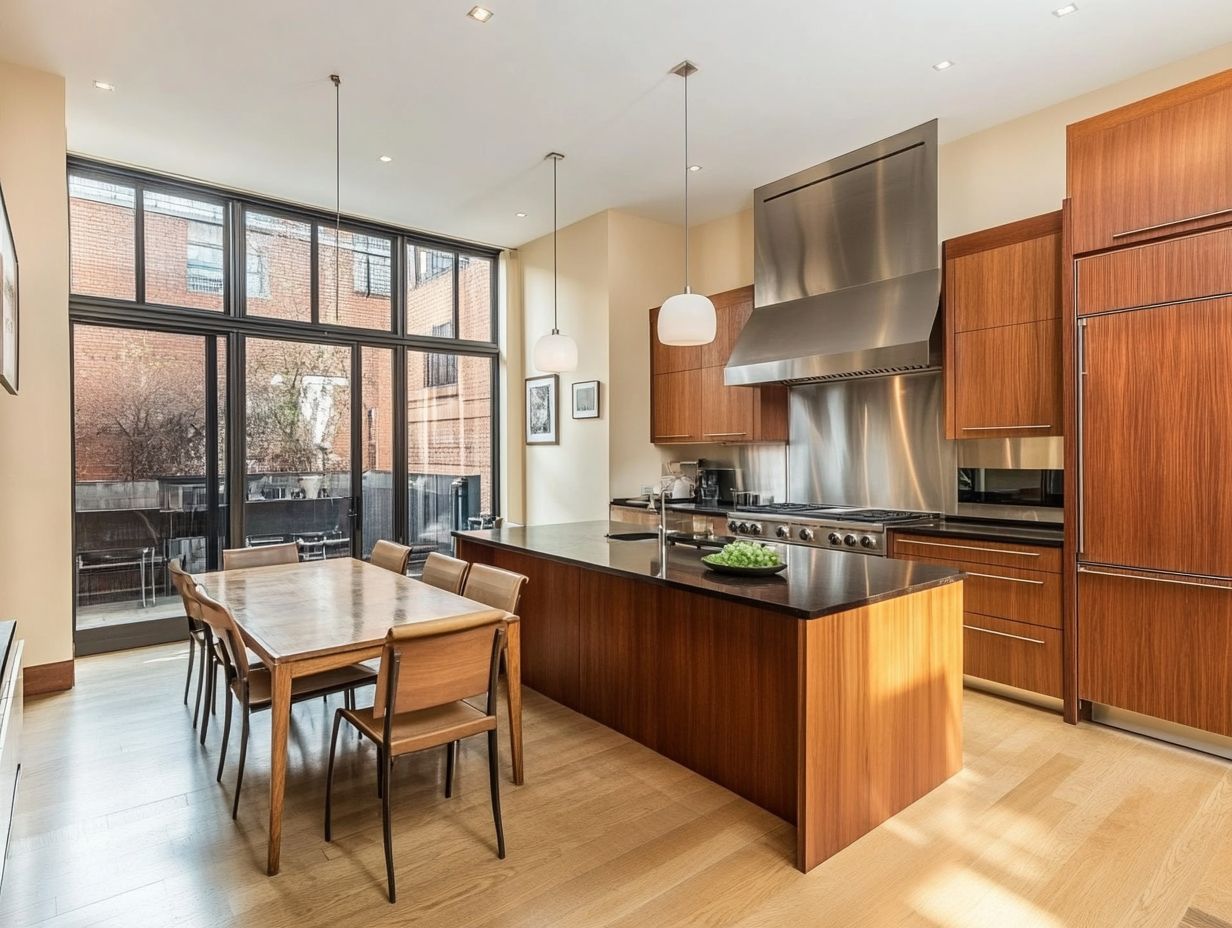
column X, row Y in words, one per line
column 120, row 823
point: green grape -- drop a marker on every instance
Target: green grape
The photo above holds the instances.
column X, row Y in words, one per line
column 746, row 554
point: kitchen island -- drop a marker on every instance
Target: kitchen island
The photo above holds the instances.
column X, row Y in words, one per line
column 830, row 694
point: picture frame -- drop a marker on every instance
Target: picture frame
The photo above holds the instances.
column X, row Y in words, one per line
column 543, row 410
column 9, row 302
column 586, row 399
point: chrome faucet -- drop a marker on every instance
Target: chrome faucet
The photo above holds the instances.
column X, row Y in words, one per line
column 662, row 526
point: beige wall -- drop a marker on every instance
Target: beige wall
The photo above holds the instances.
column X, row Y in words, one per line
column 36, row 515
column 568, row 482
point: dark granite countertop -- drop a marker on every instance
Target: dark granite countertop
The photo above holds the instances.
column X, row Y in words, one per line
column 1047, row 534
column 678, row 505
column 817, row 582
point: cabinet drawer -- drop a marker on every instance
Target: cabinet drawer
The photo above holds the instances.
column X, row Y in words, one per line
column 977, row 551
column 1189, row 268
column 1013, row 653
column 1031, row 596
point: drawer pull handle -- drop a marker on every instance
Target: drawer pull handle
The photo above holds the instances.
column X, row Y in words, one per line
column 1174, row 222
column 1009, row 579
column 686, row 435
column 989, row 631
column 1201, row 586
column 938, row 544
column 1001, row 428
column 725, row 434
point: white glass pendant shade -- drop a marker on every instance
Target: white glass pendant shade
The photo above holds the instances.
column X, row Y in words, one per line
column 687, row 319
column 556, row 353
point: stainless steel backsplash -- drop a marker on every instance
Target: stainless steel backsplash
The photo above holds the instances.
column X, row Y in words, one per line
column 878, row 442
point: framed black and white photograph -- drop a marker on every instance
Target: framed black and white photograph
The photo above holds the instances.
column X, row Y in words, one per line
column 586, row 399
column 542, row 410
column 8, row 302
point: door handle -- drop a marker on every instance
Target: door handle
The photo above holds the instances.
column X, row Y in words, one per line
column 1195, row 583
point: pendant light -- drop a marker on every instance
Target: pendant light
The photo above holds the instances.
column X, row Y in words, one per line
column 555, row 353
column 687, row 318
column 337, row 81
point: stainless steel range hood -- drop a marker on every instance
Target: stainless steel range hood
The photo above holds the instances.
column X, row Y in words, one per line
column 847, row 276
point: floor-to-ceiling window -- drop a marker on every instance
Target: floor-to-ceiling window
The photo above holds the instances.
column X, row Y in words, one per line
column 335, row 378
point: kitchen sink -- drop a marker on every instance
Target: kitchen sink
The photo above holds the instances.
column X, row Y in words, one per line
column 632, row 536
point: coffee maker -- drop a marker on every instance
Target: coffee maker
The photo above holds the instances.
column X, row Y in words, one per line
column 717, row 484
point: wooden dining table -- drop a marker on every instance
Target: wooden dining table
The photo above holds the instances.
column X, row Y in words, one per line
column 318, row 615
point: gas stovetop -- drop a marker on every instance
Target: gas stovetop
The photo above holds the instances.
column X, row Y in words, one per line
column 819, row 525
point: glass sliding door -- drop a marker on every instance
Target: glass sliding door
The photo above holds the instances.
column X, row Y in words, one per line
column 298, row 481
column 377, row 446
column 449, row 447
column 146, row 448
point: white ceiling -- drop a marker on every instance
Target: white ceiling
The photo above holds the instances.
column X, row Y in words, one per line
column 237, row 91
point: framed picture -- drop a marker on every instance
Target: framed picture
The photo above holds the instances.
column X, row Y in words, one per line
column 586, row 399
column 542, row 410
column 8, row 302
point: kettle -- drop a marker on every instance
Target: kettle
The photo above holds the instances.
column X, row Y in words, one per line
column 681, row 487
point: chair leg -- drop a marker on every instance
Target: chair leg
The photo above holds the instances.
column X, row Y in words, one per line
column 451, row 764
column 494, row 776
column 329, row 779
column 209, row 692
column 226, row 734
column 380, row 773
column 239, row 776
column 200, row 687
column 192, row 654
column 214, row 688
column 389, row 838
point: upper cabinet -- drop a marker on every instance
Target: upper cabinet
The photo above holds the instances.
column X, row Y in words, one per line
column 1155, row 168
column 690, row 403
column 1003, row 331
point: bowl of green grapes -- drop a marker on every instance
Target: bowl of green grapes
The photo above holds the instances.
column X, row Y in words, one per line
column 746, row 559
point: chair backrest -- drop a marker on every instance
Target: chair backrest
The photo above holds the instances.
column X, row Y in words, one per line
column 444, row 572
column 495, row 587
column 261, row 556
column 221, row 622
column 434, row 663
column 391, row 556
column 184, row 583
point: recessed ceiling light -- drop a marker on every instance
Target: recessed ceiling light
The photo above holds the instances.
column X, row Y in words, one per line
column 1065, row 10
column 103, row 85
column 479, row 14
column 695, row 168
column 520, row 215
column 385, row 158
column 943, row 65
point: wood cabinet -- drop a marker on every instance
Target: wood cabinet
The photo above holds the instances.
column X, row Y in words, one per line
column 1158, row 167
column 690, row 403
column 1150, row 644
column 1012, row 608
column 1003, row 331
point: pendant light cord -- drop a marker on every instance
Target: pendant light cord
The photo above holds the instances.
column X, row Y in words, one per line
column 555, row 227
column 337, row 187
column 686, row 181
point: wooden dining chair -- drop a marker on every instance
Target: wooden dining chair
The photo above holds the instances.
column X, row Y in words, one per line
column 260, row 556
column 198, row 633
column 502, row 589
column 391, row 556
column 444, row 572
column 427, row 669
column 252, row 687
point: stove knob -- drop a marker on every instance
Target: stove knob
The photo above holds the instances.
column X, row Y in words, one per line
column 834, row 538
column 783, row 531
column 743, row 528
column 732, row 525
column 754, row 528
column 868, row 541
column 849, row 540
column 806, row 534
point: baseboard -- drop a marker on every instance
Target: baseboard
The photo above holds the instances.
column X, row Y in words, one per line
column 48, row 678
column 1005, row 691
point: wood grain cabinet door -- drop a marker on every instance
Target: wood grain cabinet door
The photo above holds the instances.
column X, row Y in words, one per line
column 732, row 310
column 675, row 407
column 1153, row 168
column 1007, row 381
column 1155, row 646
column 1156, row 448
column 727, row 412
column 1019, row 282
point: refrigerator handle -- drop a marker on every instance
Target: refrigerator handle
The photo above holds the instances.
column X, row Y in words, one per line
column 1082, row 374
column 1137, row 576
